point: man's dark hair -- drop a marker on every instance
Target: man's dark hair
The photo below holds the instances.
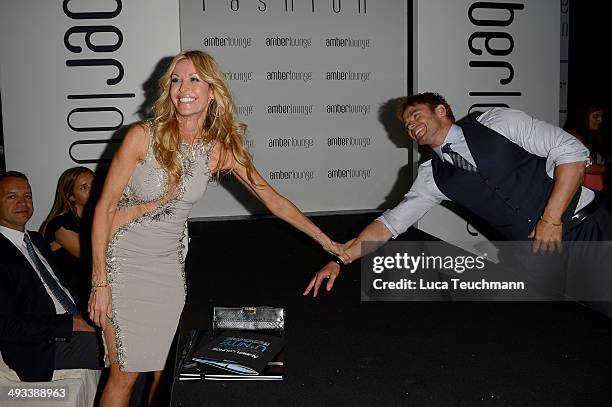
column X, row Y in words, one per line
column 427, row 98
column 13, row 174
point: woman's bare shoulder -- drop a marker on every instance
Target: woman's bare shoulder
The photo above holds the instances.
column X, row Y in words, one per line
column 136, row 140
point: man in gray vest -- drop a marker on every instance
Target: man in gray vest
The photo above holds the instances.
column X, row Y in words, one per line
column 520, row 175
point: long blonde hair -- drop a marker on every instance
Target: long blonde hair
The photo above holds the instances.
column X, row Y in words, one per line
column 219, row 126
column 65, row 189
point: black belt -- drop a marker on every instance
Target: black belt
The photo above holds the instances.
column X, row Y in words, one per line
column 583, row 213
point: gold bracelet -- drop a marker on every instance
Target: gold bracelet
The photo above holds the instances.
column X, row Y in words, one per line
column 98, row 285
column 551, row 223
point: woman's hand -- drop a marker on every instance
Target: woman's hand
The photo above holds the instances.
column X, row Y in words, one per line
column 100, row 305
column 335, row 248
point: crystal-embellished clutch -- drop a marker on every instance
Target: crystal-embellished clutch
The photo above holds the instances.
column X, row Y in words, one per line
column 264, row 319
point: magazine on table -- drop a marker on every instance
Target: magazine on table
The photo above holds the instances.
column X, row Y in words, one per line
column 239, row 352
column 232, row 355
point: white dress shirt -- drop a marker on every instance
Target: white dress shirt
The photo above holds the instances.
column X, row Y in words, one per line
column 16, row 238
column 535, row 136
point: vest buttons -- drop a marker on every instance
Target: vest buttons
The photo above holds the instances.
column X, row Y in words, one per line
column 517, row 209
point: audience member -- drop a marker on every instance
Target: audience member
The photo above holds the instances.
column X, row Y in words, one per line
column 40, row 327
column 585, row 123
column 64, row 230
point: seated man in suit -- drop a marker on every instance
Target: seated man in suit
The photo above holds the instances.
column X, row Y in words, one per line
column 40, row 327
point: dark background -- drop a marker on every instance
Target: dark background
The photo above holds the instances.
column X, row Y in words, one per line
column 343, row 352
column 589, row 42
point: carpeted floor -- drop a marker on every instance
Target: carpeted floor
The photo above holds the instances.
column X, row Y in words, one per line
column 342, row 352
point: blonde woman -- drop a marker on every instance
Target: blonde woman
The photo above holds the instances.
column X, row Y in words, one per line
column 159, row 172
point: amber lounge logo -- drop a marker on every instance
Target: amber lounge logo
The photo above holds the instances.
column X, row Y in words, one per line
column 338, row 141
column 291, row 175
column 344, row 173
column 290, row 142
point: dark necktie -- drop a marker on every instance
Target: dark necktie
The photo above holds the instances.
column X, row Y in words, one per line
column 458, row 161
column 53, row 285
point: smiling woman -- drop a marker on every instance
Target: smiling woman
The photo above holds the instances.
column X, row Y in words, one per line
column 190, row 94
column 161, row 169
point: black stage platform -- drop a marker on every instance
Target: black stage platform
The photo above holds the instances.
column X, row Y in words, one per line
column 342, row 352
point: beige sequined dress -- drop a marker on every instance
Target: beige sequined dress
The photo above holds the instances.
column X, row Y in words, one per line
column 145, row 260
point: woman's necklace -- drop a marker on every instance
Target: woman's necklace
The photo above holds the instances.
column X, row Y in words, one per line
column 192, row 149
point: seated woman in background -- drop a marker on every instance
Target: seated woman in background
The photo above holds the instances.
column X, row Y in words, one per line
column 585, row 123
column 64, row 230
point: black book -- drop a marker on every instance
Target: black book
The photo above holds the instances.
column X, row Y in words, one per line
column 245, row 353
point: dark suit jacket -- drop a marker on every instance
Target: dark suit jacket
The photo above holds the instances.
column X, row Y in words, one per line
column 29, row 325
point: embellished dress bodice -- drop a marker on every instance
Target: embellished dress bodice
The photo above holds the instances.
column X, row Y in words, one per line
column 166, row 208
column 149, row 182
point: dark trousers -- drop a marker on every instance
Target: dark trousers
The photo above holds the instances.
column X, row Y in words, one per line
column 83, row 351
column 581, row 272
column 592, row 274
column 598, row 226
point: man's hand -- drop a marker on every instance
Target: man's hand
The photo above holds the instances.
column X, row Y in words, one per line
column 375, row 232
column 330, row 271
column 547, row 236
column 79, row 324
column 548, row 232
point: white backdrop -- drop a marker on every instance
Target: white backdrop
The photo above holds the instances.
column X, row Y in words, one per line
column 39, row 89
column 522, row 70
column 309, row 82
column 36, row 81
